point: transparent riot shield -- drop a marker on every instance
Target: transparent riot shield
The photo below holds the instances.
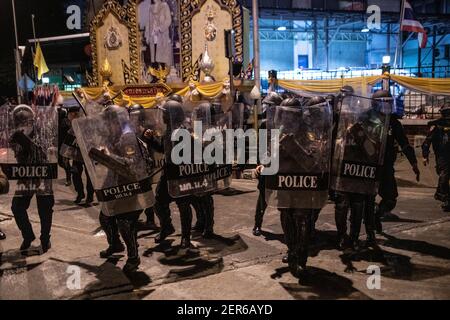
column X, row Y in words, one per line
column 69, row 148
column 187, row 173
column 29, row 148
column 93, row 108
column 216, row 148
column 114, row 161
column 360, row 145
column 150, row 131
column 304, row 156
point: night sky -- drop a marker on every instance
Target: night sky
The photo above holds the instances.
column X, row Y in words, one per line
column 50, row 18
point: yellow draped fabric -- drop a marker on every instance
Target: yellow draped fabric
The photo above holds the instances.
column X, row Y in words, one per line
column 324, row 87
column 209, row 91
column 440, row 87
column 311, row 87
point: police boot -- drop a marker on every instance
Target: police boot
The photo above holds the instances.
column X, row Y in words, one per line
column 109, row 226
column 446, row 206
column 303, row 237
column 127, row 228
column 79, row 198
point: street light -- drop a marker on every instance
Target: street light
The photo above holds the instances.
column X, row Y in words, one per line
column 386, row 59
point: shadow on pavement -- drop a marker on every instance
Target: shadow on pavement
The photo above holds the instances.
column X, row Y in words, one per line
column 417, row 246
column 233, row 192
column 319, row 284
column 395, row 266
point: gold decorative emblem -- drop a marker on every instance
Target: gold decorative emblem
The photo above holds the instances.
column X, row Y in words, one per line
column 161, row 73
column 106, row 72
column 210, row 28
column 113, row 39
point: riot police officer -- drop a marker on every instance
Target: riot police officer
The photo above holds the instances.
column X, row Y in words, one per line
column 357, row 159
column 300, row 188
column 272, row 99
column 439, row 139
column 63, row 129
column 136, row 117
column 172, row 110
column 388, row 185
column 111, row 153
column 28, row 146
column 70, row 150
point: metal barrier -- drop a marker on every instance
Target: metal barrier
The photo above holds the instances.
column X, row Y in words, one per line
column 416, row 105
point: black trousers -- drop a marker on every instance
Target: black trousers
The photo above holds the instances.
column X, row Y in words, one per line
column 65, row 164
column 297, row 226
column 261, row 205
column 126, row 225
column 360, row 207
column 443, row 168
column 77, row 171
column 204, row 209
column 387, row 190
column 162, row 207
column 19, row 207
column 150, row 214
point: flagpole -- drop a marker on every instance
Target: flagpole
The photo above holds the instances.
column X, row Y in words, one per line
column 17, row 56
column 398, row 51
column 35, row 46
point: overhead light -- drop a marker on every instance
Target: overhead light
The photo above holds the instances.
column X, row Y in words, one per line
column 365, row 30
column 45, row 80
column 386, row 59
column 282, row 28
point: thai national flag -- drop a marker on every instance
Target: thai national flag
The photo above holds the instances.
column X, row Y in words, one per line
column 411, row 24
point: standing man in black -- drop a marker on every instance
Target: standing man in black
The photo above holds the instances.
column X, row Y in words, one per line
column 63, row 129
column 439, row 138
column 388, row 186
column 272, row 99
column 71, row 150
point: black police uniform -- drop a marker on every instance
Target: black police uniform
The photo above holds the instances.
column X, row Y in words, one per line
column 63, row 129
column 439, row 138
column 388, row 186
column 21, row 203
column 163, row 200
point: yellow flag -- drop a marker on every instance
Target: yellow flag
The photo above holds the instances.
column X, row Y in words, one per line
column 39, row 62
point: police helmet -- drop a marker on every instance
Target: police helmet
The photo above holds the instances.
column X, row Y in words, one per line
column 176, row 97
column 273, row 99
column 291, row 102
column 22, row 114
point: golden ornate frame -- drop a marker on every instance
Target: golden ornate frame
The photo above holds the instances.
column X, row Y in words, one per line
column 187, row 9
column 126, row 14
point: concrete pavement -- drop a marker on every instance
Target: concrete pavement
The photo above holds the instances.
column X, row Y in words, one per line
column 414, row 255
